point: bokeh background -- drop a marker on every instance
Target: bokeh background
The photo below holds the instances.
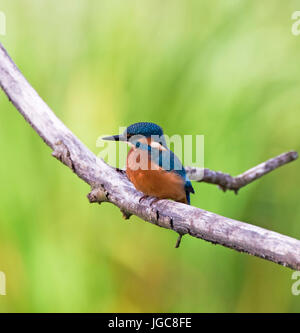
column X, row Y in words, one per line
column 223, row 68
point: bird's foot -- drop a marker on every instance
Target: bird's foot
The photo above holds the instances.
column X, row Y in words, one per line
column 120, row 170
column 146, row 197
column 143, row 198
column 154, row 201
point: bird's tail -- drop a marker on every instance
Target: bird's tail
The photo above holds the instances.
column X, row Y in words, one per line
column 188, row 197
column 188, row 190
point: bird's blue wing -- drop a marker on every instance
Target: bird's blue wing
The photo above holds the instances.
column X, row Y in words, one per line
column 168, row 161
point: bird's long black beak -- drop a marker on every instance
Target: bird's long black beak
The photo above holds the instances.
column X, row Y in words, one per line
column 114, row 138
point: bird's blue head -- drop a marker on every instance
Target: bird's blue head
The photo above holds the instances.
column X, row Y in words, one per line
column 138, row 131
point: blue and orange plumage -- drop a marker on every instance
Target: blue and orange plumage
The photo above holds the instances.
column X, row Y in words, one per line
column 151, row 166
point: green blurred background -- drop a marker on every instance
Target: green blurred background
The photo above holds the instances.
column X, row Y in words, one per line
column 227, row 69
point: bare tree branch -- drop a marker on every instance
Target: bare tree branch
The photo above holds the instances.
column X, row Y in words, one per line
column 227, row 182
column 109, row 185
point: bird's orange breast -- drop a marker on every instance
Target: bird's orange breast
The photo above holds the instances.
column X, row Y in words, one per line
column 151, row 179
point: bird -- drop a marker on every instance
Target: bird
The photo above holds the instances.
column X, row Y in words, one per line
column 151, row 166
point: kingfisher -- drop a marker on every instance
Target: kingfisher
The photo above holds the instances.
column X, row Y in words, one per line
column 151, row 166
